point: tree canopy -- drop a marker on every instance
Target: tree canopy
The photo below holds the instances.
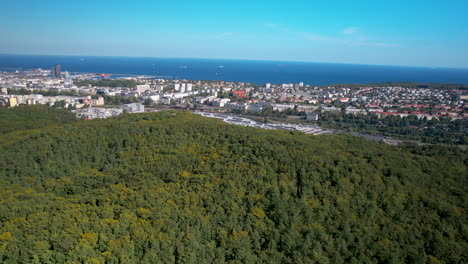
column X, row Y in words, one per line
column 29, row 117
column 173, row 187
column 108, row 83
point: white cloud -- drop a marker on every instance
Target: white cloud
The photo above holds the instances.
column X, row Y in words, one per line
column 379, row 44
column 350, row 30
column 224, row 35
column 353, row 37
column 271, row 25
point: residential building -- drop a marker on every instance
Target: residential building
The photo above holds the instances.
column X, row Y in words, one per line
column 133, row 108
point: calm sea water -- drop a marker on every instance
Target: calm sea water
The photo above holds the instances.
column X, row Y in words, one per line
column 258, row 72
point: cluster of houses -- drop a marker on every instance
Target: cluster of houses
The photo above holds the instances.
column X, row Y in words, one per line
column 101, row 112
column 239, row 96
column 13, row 100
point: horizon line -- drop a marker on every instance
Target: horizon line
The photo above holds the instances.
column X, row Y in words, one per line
column 233, row 59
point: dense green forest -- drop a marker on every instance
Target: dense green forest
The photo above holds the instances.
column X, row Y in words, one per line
column 108, row 83
column 173, row 187
column 442, row 130
column 119, row 99
column 30, row 117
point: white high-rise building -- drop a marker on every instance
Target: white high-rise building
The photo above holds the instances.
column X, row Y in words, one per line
column 301, row 84
column 133, row 108
column 189, row 87
column 177, row 86
column 67, row 75
column 267, row 85
column 182, row 88
column 158, row 88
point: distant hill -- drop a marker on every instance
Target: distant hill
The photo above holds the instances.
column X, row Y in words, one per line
column 173, row 187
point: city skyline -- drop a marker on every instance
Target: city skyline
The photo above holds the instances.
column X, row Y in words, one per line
column 428, row 34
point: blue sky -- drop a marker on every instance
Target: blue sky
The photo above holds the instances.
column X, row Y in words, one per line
column 398, row 32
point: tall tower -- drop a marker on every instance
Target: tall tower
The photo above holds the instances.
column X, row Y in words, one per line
column 67, row 75
column 56, row 71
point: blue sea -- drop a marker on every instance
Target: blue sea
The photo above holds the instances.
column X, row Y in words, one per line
column 258, row 72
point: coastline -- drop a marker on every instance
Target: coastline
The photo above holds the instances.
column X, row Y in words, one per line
column 252, row 71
